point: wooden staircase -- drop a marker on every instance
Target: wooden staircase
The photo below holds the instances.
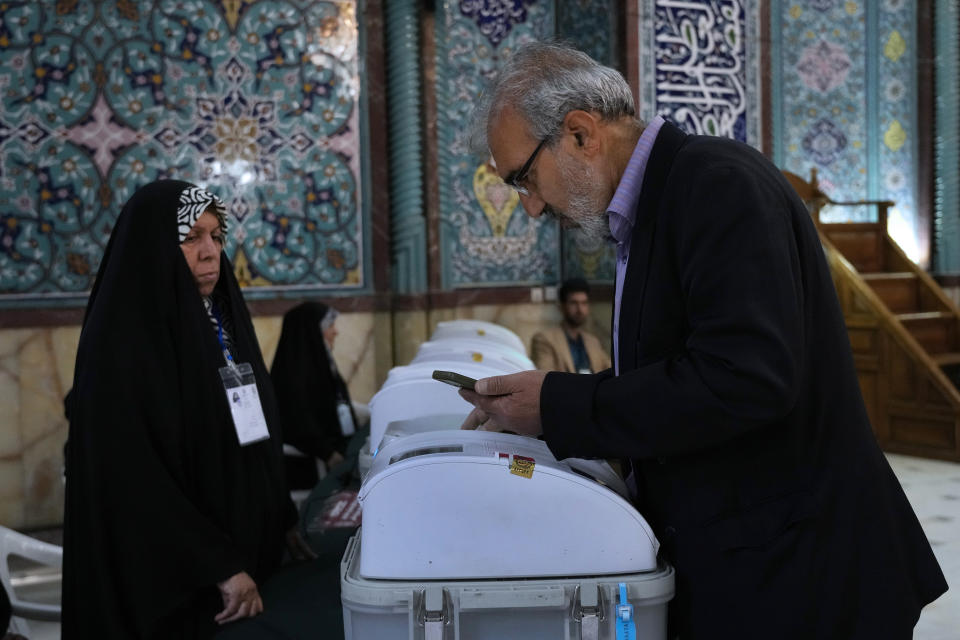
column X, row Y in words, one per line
column 904, row 331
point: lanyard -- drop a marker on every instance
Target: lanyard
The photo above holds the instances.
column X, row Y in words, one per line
column 226, row 352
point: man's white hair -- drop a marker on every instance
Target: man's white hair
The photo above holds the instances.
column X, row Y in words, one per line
column 544, row 81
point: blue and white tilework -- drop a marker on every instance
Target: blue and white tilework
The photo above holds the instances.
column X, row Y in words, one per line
column 823, row 82
column 257, row 101
column 699, row 66
column 896, row 177
column 844, row 92
column 589, row 25
column 485, row 237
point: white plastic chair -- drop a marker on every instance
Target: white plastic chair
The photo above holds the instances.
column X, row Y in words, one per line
column 48, row 579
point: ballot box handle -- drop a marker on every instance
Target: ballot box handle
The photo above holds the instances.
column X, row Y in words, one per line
column 432, row 612
column 588, row 609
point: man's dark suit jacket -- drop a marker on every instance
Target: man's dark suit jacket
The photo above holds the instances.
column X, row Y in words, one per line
column 739, row 407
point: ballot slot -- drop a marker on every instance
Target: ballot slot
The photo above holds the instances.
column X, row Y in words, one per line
column 588, row 476
column 426, row 451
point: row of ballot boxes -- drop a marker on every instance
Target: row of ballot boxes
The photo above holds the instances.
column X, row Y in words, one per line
column 475, row 534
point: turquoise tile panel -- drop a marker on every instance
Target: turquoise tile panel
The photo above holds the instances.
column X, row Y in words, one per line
column 822, row 73
column 258, row 101
column 485, row 237
column 591, row 26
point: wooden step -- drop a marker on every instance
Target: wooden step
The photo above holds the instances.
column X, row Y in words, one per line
column 936, row 331
column 899, row 290
column 861, row 244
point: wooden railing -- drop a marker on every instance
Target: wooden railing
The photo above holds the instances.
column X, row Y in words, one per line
column 904, row 332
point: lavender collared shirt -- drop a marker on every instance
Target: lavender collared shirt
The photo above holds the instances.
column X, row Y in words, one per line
column 623, row 213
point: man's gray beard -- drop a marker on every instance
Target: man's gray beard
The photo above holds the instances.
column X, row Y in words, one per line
column 585, row 205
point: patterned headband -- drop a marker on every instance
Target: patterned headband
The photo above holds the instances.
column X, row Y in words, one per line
column 193, row 202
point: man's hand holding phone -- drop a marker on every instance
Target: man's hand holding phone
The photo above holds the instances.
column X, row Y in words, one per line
column 506, row 403
column 455, row 379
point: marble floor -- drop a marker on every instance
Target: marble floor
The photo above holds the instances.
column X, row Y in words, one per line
column 933, row 488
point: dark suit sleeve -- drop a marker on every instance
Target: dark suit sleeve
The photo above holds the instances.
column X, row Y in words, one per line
column 730, row 234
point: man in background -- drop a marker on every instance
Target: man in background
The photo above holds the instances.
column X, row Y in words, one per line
column 570, row 347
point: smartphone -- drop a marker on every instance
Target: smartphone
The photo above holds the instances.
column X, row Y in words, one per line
column 455, row 379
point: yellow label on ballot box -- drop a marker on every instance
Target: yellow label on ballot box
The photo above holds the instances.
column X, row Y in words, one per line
column 522, row 466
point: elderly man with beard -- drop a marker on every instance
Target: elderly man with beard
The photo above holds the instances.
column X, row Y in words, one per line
column 570, row 347
column 733, row 396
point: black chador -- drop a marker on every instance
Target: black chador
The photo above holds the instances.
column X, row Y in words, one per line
column 309, row 390
column 162, row 501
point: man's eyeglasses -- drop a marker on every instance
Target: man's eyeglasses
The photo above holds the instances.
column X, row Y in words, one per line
column 516, row 181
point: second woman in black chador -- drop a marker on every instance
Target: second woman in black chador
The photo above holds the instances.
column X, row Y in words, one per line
column 318, row 415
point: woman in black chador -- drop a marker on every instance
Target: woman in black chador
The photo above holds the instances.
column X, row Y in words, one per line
column 176, row 505
column 318, row 416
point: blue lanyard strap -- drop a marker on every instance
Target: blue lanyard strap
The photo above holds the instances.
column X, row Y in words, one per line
column 216, row 316
column 626, row 630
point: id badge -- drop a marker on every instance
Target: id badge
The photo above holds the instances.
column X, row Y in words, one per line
column 346, row 419
column 240, row 386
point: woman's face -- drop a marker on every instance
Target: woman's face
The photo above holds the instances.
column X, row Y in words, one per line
column 329, row 334
column 202, row 248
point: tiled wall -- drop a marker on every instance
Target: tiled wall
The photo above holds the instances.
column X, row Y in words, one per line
column 591, row 25
column 261, row 102
column 699, row 66
column 485, row 238
column 843, row 90
column 845, row 103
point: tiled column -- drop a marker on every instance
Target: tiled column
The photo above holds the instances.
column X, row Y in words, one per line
column 408, row 223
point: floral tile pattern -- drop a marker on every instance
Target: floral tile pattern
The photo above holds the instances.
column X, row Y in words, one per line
column 485, row 237
column 495, row 18
column 823, row 66
column 823, row 78
column 845, row 84
column 897, row 118
column 257, row 100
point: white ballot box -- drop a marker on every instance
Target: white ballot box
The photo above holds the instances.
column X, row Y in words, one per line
column 479, row 330
column 472, row 534
column 498, row 355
